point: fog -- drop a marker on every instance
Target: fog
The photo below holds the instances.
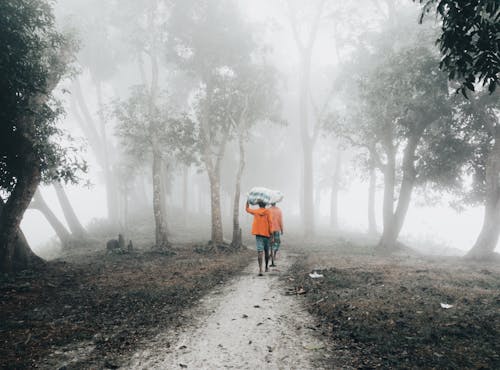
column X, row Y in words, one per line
column 110, row 63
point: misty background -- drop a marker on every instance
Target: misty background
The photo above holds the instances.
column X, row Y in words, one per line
column 110, row 63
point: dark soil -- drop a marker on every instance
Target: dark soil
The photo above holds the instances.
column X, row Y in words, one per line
column 110, row 301
column 386, row 312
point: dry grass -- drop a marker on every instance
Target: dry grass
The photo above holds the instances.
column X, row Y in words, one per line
column 120, row 298
column 386, row 312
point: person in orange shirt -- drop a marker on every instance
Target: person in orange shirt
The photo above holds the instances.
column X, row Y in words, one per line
column 261, row 228
column 277, row 229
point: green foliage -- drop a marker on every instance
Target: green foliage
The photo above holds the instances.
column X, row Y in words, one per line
column 34, row 57
column 143, row 125
column 469, row 41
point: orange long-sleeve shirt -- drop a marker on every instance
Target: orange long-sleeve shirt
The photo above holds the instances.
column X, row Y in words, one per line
column 277, row 218
column 262, row 221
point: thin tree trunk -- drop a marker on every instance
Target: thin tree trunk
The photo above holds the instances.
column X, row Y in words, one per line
column 237, row 242
column 161, row 237
column 334, row 223
column 185, row 190
column 217, row 233
column 388, row 202
column 487, row 239
column 372, row 223
column 62, row 233
column 305, row 49
column 69, row 214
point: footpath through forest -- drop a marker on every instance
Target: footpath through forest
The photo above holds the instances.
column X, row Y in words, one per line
column 249, row 324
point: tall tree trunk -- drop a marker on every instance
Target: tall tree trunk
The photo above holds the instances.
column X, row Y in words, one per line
column 309, row 224
column 161, row 237
column 185, row 190
column 305, row 49
column 372, row 223
column 14, row 253
column 217, row 233
column 237, row 242
column 62, row 233
column 487, row 239
column 334, row 222
column 388, row 202
column 69, row 214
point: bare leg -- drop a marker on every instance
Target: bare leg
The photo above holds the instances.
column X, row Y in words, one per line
column 259, row 260
column 266, row 254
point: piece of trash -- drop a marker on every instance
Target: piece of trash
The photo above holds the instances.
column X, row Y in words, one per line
column 183, row 366
column 256, row 306
column 313, row 346
column 446, row 305
column 315, row 275
column 260, row 323
column 301, row 291
column 245, row 316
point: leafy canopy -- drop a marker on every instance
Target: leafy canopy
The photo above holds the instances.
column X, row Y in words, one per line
column 469, row 41
column 34, row 57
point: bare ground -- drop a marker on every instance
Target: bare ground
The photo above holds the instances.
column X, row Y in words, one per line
column 387, row 312
column 91, row 311
column 251, row 323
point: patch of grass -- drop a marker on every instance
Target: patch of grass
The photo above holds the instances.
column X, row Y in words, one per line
column 387, row 312
column 120, row 298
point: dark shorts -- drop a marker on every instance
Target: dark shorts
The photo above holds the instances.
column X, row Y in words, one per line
column 262, row 243
column 277, row 241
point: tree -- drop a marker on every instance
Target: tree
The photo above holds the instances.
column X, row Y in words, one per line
column 209, row 40
column 253, row 99
column 156, row 133
column 34, row 59
column 308, row 136
column 469, row 40
column 407, row 126
column 481, row 130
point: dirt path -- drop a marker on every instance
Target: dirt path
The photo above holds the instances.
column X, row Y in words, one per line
column 249, row 324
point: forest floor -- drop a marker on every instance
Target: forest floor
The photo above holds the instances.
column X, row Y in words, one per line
column 404, row 311
column 91, row 311
column 199, row 310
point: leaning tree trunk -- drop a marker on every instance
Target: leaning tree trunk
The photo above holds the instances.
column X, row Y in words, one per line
column 237, row 242
column 487, row 239
column 372, row 223
column 22, row 256
column 161, row 237
column 391, row 232
column 62, row 233
column 98, row 144
column 13, row 255
column 69, row 213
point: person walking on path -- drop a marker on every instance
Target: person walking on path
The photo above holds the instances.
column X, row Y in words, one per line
column 277, row 230
column 262, row 229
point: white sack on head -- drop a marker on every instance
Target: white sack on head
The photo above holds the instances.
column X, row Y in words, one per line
column 276, row 197
column 260, row 194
